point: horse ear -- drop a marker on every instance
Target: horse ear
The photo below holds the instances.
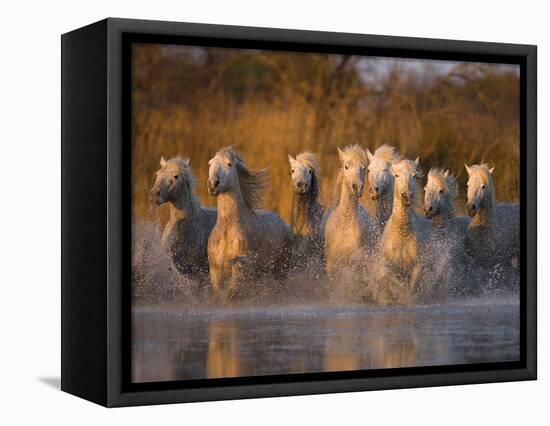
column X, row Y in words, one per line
column 341, row 154
column 291, row 159
column 369, row 155
column 491, row 170
column 187, row 161
column 446, row 173
column 468, row 169
column 162, row 162
column 417, row 161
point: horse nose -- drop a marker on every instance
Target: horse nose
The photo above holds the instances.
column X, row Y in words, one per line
column 407, row 196
column 428, row 209
column 300, row 184
column 376, row 189
column 213, row 184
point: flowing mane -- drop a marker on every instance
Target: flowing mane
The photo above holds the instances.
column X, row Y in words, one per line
column 356, row 153
column 448, row 182
column 252, row 183
column 386, row 153
column 309, row 160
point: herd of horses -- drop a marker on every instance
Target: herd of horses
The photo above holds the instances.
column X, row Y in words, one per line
column 386, row 233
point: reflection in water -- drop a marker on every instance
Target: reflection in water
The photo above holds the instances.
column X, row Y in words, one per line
column 373, row 349
column 180, row 344
column 222, row 359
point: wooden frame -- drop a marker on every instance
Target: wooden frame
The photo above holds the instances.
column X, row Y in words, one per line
column 95, row 189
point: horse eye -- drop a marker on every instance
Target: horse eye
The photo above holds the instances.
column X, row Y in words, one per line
column 396, row 175
column 482, row 186
column 346, row 167
column 292, row 171
column 228, row 164
column 441, row 191
column 310, row 171
column 175, row 177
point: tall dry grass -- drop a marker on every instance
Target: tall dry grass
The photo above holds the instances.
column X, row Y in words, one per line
column 193, row 101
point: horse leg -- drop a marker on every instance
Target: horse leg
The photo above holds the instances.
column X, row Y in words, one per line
column 414, row 279
column 240, row 267
column 216, row 277
column 383, row 285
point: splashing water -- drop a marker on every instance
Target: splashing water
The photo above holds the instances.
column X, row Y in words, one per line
column 446, row 274
column 308, row 322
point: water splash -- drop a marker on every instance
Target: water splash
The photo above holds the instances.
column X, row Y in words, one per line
column 446, row 275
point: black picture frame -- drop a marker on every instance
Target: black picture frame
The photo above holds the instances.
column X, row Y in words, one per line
column 96, row 212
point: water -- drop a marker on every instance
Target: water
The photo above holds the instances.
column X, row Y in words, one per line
column 463, row 313
column 177, row 342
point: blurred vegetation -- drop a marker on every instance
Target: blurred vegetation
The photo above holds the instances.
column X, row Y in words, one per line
column 191, row 101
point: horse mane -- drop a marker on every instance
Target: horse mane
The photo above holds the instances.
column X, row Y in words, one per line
column 253, row 183
column 335, row 198
column 386, row 153
column 418, row 199
column 448, row 182
column 310, row 161
column 358, row 154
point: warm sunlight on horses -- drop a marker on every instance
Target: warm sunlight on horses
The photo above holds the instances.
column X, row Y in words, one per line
column 245, row 243
column 188, row 228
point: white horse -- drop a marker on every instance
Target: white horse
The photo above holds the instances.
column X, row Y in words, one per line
column 444, row 259
column 493, row 232
column 189, row 226
column 348, row 227
column 439, row 194
column 307, row 212
column 245, row 243
column 380, row 201
column 404, row 235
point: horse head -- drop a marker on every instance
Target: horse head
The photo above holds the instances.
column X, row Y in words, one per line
column 304, row 170
column 407, row 175
column 354, row 162
column 439, row 193
column 480, row 188
column 379, row 175
column 174, row 181
column 222, row 172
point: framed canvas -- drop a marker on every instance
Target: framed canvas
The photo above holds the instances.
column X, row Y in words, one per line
column 254, row 212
